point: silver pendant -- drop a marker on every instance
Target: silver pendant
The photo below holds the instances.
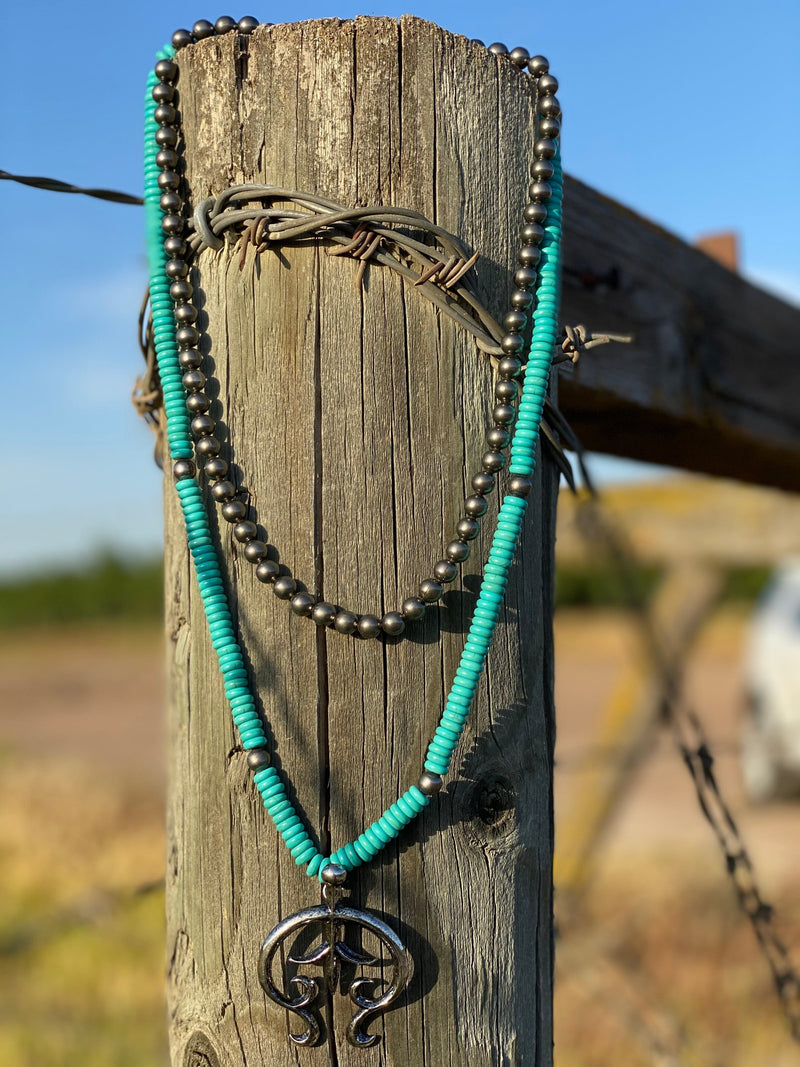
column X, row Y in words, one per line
column 298, row 993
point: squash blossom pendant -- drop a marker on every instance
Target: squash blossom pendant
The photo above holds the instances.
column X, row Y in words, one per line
column 328, row 925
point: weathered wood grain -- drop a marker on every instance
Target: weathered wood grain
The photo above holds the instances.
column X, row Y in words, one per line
column 712, row 380
column 356, row 420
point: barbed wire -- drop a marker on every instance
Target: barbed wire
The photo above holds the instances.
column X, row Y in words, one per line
column 53, row 185
column 693, row 744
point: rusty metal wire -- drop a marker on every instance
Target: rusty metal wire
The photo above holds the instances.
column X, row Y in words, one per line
column 692, row 743
column 434, row 261
column 147, row 396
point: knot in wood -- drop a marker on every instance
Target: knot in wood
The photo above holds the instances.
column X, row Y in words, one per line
column 490, row 810
column 199, row 1052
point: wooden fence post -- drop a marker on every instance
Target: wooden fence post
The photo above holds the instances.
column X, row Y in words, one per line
column 355, row 419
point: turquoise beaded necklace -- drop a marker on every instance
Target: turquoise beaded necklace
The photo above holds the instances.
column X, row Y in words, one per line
column 238, row 689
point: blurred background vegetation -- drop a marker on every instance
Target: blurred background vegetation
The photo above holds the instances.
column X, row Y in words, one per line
column 111, row 589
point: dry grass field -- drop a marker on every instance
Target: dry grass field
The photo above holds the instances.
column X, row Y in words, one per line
column 659, row 968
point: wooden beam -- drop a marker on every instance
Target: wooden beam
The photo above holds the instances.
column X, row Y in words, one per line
column 355, row 419
column 712, row 379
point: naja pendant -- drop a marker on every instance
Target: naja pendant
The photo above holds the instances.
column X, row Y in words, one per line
column 328, row 926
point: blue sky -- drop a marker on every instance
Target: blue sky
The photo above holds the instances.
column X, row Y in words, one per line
column 686, row 112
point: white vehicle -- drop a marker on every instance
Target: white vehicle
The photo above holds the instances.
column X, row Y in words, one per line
column 771, row 735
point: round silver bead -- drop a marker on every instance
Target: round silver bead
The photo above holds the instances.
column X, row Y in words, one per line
column 169, row 201
column 180, row 39
column 181, row 290
column 345, row 622
column 514, row 321
column 284, row 587
column 197, row 403
column 503, row 414
column 247, row 24
column 183, row 468
column 224, row 490
column 525, row 278
column 542, row 170
column 163, row 93
column 254, row 551
column 532, row 233
column 302, row 604
column 529, row 255
column 493, row 461
column 193, row 379
column 185, row 313
column 245, row 531
column 430, row 591
column 323, row 613
column 190, row 358
column 176, row 268
column 187, row 336
column 521, row 299
column 519, row 56
column 506, row 390
column 483, row 482
column 166, row 70
column 167, row 159
column 512, row 343
column 475, row 506
column 535, row 213
column 215, row 468
column 509, row 367
column 369, row 626
column 207, row 446
column 430, row 784
column 224, row 24
column 393, row 623
column 498, row 49
column 412, row 609
column 234, row 510
column 172, row 224
column 202, row 29
column 202, row 425
column 445, row 571
column 538, row 65
column 165, row 115
column 467, row 529
column 547, row 84
column 498, row 437
column 166, row 137
column 333, row 874
column 168, row 180
column 540, row 191
column 519, row 485
column 544, row 148
column 548, row 106
column 549, row 127
column 458, row 551
column 258, row 759
column 267, row 571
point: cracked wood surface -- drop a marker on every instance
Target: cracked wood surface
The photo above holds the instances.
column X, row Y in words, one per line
column 356, row 420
